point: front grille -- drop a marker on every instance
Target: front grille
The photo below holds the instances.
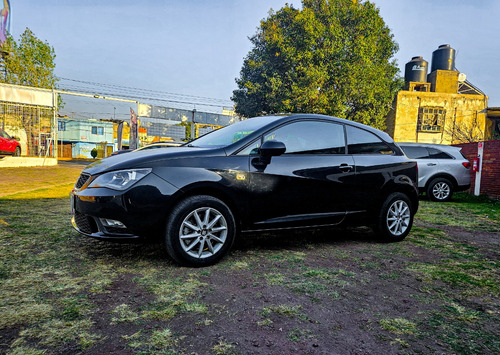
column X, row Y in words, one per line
column 82, row 180
column 85, row 223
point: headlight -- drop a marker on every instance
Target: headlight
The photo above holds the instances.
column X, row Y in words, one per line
column 120, row 180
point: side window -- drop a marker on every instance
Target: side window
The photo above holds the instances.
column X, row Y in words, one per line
column 438, row 154
column 360, row 141
column 97, row 130
column 310, row 137
column 416, row 152
column 252, row 149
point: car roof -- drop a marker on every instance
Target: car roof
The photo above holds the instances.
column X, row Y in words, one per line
column 430, row 145
column 165, row 143
column 276, row 120
column 382, row 134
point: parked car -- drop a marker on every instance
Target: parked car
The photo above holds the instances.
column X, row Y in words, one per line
column 9, row 145
column 442, row 169
column 121, row 151
column 165, row 144
column 264, row 173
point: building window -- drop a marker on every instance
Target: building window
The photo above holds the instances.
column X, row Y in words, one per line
column 97, row 130
column 431, row 119
column 496, row 129
column 61, row 126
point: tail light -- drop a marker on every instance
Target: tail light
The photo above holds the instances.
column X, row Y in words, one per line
column 466, row 164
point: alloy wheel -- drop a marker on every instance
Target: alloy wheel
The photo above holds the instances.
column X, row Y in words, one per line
column 398, row 217
column 441, row 190
column 203, row 232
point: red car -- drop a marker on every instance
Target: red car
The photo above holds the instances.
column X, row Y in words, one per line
column 9, row 145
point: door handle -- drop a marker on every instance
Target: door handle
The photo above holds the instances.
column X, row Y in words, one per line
column 431, row 164
column 345, row 167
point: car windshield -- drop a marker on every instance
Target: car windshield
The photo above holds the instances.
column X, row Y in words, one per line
column 232, row 133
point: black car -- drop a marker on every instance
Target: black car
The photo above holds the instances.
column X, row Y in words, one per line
column 264, row 173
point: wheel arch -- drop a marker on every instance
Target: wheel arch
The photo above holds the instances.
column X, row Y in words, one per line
column 405, row 188
column 209, row 189
column 446, row 176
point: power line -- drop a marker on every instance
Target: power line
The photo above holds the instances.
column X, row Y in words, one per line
column 104, row 93
column 135, row 90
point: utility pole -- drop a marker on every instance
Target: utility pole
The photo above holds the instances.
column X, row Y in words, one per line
column 193, row 126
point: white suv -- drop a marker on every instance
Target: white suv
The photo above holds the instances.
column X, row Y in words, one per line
column 442, row 169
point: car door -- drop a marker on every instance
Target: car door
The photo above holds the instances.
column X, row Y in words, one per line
column 427, row 165
column 374, row 167
column 4, row 142
column 445, row 162
column 309, row 183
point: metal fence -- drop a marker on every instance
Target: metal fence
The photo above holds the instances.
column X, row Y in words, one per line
column 87, row 122
column 33, row 126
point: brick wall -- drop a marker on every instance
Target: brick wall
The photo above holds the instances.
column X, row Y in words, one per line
column 490, row 174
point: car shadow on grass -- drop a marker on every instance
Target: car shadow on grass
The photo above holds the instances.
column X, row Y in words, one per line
column 307, row 237
column 245, row 242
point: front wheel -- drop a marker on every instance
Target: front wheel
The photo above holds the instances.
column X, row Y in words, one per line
column 200, row 231
column 395, row 218
column 440, row 190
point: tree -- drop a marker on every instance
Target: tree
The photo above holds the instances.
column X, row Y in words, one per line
column 467, row 130
column 332, row 57
column 29, row 63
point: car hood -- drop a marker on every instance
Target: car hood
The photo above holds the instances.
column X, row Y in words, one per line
column 149, row 158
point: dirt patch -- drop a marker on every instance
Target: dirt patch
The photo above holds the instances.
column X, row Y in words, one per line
column 334, row 291
column 477, row 237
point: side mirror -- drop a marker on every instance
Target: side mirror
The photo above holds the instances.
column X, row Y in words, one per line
column 271, row 149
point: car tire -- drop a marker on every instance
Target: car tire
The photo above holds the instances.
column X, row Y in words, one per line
column 200, row 231
column 17, row 152
column 440, row 190
column 395, row 218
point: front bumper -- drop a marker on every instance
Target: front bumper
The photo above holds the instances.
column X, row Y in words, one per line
column 92, row 227
column 141, row 209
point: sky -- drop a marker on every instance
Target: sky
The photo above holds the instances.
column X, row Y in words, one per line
column 195, row 48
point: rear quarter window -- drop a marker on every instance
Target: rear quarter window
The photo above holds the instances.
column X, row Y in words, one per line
column 415, row 152
column 360, row 141
column 438, row 154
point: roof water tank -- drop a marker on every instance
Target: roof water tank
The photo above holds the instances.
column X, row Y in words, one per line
column 443, row 58
column 416, row 70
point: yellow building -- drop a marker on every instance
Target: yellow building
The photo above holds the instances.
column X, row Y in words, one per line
column 445, row 109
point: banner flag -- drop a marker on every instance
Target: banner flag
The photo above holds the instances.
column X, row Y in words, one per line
column 133, row 139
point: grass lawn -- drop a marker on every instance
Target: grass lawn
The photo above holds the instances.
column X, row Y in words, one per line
column 329, row 291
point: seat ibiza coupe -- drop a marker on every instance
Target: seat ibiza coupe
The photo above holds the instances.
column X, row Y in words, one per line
column 263, row 173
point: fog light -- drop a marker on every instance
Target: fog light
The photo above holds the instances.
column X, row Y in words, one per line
column 112, row 223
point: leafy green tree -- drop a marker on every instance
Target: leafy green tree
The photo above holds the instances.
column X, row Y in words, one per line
column 332, row 57
column 31, row 62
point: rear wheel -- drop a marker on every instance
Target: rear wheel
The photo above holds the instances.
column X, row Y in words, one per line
column 440, row 190
column 17, row 152
column 395, row 218
column 200, row 231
